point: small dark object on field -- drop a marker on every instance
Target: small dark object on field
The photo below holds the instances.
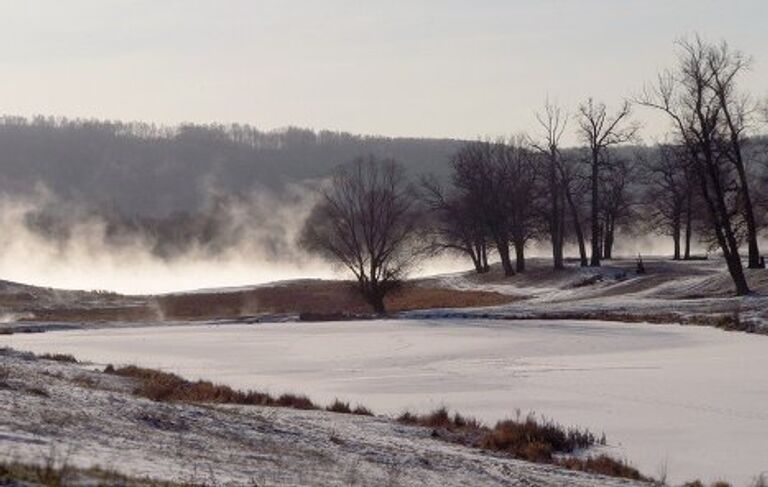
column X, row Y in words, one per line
column 640, row 265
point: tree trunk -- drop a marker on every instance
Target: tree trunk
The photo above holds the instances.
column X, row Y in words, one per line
column 608, row 237
column 718, row 211
column 688, row 227
column 577, row 229
column 484, row 257
column 502, row 246
column 595, row 260
column 749, row 216
column 556, row 216
column 519, row 255
column 676, row 237
column 373, row 295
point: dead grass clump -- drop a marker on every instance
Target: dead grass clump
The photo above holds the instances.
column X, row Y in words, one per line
column 361, row 410
column 58, row 357
column 295, row 401
column 536, row 437
column 166, row 387
column 602, row 465
column 530, row 439
column 338, row 406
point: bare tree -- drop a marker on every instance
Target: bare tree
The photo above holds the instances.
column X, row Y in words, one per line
column 724, row 66
column 574, row 185
column 599, row 131
column 454, row 224
column 696, row 111
column 669, row 195
column 517, row 168
column 553, row 121
column 366, row 221
column 480, row 176
column 616, row 202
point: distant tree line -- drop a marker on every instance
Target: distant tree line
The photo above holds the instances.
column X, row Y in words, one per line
column 705, row 183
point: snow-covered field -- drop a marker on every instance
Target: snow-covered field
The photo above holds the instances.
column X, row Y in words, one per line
column 688, row 401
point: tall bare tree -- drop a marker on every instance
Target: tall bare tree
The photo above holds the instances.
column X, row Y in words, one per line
column 366, row 221
column 600, row 130
column 553, row 120
column 725, row 66
column 696, row 111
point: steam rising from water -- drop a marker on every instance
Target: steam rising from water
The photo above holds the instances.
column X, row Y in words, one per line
column 255, row 244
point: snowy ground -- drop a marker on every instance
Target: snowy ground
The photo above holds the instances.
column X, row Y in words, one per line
column 91, row 419
column 688, row 401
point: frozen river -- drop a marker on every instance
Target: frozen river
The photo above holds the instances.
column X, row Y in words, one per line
column 690, row 401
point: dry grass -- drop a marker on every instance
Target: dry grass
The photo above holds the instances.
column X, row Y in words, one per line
column 603, row 465
column 317, row 298
column 529, row 439
column 58, row 357
column 48, row 474
column 166, row 387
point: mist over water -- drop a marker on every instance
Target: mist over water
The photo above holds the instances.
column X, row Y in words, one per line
column 252, row 241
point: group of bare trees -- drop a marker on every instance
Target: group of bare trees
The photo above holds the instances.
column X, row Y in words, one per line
column 522, row 189
column 711, row 119
column 697, row 187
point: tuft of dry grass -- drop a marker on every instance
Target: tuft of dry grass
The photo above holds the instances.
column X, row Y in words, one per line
column 529, row 439
column 338, row 406
column 58, row 357
column 166, row 387
column 603, row 465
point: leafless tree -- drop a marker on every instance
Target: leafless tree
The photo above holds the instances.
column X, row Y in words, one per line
column 724, row 67
column 517, row 168
column 553, row 120
column 366, row 221
column 454, row 223
column 480, row 177
column 669, row 196
column 696, row 111
column 616, row 202
column 599, row 130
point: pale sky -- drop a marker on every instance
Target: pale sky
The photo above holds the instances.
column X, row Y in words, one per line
column 408, row 67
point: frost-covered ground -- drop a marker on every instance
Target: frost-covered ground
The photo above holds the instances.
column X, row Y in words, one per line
column 669, row 290
column 92, row 419
column 688, row 401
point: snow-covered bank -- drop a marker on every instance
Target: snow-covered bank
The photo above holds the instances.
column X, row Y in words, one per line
column 688, row 400
column 92, row 420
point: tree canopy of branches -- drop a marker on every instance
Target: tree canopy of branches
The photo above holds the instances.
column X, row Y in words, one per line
column 699, row 97
column 496, row 182
column 455, row 224
column 366, row 220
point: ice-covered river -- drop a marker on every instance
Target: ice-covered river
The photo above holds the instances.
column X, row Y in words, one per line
column 690, row 401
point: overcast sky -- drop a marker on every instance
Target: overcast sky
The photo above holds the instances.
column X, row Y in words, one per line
column 408, row 67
